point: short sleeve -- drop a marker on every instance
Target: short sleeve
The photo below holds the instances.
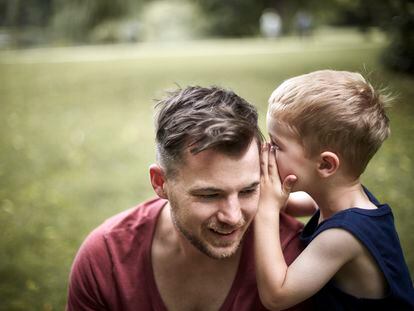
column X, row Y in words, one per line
column 290, row 230
column 89, row 276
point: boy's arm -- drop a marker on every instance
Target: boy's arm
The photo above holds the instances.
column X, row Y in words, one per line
column 300, row 204
column 281, row 286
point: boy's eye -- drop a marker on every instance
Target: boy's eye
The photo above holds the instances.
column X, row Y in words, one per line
column 275, row 146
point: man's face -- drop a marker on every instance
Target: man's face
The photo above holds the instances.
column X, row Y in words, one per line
column 214, row 198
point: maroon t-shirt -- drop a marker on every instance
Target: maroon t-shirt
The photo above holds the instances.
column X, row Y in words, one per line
column 113, row 270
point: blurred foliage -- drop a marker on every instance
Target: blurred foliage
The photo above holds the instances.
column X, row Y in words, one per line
column 165, row 20
column 19, row 13
column 63, row 19
column 399, row 55
column 74, row 19
column 109, row 21
column 238, row 18
column 232, row 18
column 396, row 17
column 76, row 138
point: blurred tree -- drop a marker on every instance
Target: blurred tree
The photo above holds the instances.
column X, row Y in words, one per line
column 24, row 21
column 396, row 17
column 72, row 19
column 76, row 18
column 236, row 18
column 232, row 18
column 171, row 20
column 400, row 53
column 18, row 13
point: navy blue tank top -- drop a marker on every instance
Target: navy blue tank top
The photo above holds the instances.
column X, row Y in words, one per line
column 376, row 231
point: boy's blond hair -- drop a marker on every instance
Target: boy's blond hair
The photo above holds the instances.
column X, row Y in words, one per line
column 333, row 110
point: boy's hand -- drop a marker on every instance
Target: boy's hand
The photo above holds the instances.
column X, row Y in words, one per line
column 273, row 193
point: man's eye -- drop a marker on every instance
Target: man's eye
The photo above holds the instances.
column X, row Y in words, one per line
column 208, row 196
column 248, row 191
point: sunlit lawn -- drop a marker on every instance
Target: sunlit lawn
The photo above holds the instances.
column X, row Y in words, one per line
column 76, row 139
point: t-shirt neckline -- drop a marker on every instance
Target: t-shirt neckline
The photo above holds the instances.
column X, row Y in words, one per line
column 156, row 298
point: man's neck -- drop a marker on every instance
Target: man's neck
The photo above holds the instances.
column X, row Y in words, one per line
column 186, row 278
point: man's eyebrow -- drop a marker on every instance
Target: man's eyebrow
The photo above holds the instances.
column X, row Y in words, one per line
column 204, row 189
column 252, row 185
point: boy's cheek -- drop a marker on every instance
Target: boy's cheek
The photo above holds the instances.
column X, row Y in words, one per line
column 281, row 169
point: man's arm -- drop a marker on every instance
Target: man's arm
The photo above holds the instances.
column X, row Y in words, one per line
column 281, row 286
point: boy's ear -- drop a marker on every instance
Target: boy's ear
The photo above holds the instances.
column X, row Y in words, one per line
column 157, row 177
column 328, row 163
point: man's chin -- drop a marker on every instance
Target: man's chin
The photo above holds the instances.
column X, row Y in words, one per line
column 221, row 250
column 220, row 253
column 220, row 246
column 213, row 246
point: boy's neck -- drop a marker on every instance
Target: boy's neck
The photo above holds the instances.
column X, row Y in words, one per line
column 334, row 197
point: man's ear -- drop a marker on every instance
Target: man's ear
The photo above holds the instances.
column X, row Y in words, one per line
column 328, row 163
column 157, row 177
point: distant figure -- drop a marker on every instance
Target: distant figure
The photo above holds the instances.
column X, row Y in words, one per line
column 303, row 21
column 130, row 31
column 270, row 24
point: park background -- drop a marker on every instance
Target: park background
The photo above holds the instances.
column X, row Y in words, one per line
column 78, row 81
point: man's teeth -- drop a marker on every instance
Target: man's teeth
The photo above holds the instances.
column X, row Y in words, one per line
column 222, row 232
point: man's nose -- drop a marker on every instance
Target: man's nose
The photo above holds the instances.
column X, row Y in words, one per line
column 230, row 212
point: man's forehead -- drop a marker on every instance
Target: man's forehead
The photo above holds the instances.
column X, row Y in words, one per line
column 212, row 167
column 211, row 154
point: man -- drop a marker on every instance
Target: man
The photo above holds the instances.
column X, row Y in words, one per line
column 191, row 248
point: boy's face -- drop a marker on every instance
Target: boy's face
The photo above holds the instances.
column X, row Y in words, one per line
column 290, row 155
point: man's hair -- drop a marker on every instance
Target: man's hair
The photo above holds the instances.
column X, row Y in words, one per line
column 336, row 110
column 199, row 118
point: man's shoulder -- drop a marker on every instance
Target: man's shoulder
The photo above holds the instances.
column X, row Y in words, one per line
column 290, row 230
column 133, row 217
column 289, row 226
column 128, row 222
column 121, row 243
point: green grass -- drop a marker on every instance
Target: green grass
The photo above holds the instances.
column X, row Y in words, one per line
column 76, row 139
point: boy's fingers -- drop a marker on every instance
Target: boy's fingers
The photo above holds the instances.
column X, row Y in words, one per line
column 272, row 163
column 264, row 157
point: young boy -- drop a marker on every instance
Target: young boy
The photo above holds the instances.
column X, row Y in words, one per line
column 324, row 127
